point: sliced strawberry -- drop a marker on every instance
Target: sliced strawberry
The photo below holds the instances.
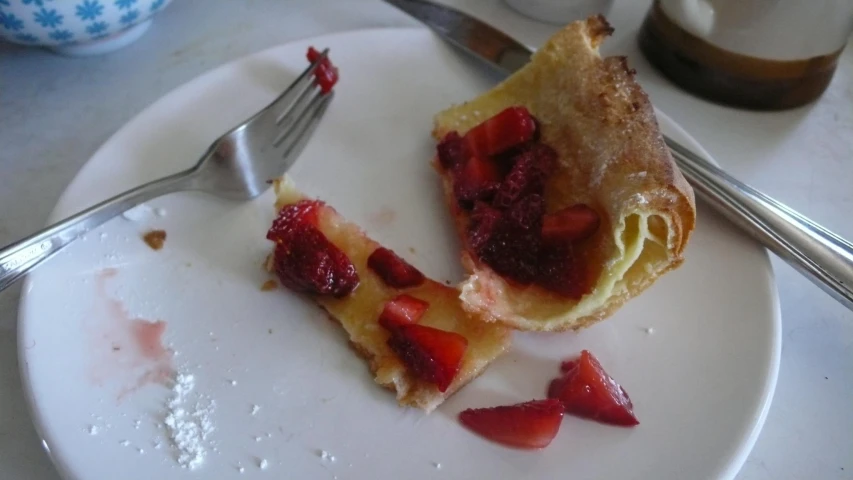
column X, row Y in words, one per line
column 528, row 425
column 570, row 224
column 483, row 224
column 393, row 270
column 477, row 179
column 510, row 127
column 327, row 77
column 313, row 54
column 303, row 212
column 568, row 365
column 586, row 390
column 402, row 310
column 562, row 273
column 431, row 354
column 306, row 261
column 451, row 151
column 530, row 168
column 512, row 248
column 325, row 73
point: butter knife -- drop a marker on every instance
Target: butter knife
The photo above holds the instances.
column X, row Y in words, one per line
column 822, row 256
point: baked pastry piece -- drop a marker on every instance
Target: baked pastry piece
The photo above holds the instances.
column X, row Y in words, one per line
column 571, row 134
column 413, row 332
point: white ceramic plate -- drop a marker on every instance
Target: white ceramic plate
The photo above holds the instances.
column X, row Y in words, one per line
column 701, row 382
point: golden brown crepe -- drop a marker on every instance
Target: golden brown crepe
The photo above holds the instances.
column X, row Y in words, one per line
column 611, row 156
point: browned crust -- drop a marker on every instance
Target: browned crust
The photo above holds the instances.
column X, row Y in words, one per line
column 598, row 28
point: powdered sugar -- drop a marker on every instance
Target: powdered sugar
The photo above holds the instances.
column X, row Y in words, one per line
column 189, row 424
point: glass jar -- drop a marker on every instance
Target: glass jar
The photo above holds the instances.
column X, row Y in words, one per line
column 756, row 54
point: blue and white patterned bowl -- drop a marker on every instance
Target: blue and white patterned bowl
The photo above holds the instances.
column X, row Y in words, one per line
column 76, row 26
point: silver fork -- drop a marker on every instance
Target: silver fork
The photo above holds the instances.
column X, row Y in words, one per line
column 237, row 166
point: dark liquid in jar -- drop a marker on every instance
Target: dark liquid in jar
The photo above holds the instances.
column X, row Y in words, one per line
column 731, row 78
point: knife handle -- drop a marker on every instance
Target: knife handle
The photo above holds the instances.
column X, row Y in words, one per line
column 822, row 256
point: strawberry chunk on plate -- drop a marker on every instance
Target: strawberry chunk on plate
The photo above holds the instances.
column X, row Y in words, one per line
column 402, row 310
column 431, row 354
column 529, row 425
column 586, row 390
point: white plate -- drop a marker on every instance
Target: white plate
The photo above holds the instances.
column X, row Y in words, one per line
column 701, row 383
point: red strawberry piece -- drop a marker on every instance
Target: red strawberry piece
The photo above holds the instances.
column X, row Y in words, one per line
column 526, row 214
column 451, row 151
column 431, row 354
column 393, row 270
column 510, row 127
column 402, row 310
column 477, row 179
column 513, row 247
column 303, row 212
column 313, row 54
column 530, row 169
column 529, row 425
column 568, row 365
column 306, row 261
column 327, row 77
column 325, row 73
column 586, row 390
column 561, row 273
column 484, row 221
column 570, row 224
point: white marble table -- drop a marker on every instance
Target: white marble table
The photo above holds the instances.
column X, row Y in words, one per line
column 56, row 111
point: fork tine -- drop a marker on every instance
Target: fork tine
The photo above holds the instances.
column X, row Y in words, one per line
column 303, row 82
column 295, row 113
column 297, row 137
column 287, row 114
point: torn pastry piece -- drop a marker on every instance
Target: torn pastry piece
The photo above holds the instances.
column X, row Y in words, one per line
column 418, row 340
column 562, row 189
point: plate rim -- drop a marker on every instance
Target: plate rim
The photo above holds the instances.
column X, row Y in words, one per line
column 769, row 388
column 731, row 468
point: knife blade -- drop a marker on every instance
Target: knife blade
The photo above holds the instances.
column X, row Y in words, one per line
column 822, row 256
column 486, row 43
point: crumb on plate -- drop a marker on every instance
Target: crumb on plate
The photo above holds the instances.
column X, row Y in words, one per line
column 155, row 239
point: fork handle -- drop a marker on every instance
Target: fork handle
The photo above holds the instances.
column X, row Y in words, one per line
column 22, row 256
column 822, row 256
